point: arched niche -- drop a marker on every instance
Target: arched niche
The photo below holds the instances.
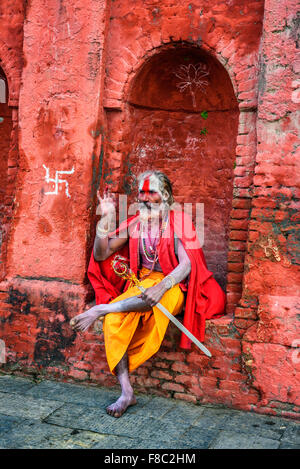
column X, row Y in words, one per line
column 6, row 126
column 182, row 118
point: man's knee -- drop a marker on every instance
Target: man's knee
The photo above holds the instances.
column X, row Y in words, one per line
column 114, row 319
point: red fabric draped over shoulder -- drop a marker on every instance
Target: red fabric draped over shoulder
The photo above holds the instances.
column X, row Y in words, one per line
column 205, row 298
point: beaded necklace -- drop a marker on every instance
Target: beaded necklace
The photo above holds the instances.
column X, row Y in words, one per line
column 153, row 255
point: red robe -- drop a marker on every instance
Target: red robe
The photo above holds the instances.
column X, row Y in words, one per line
column 204, row 297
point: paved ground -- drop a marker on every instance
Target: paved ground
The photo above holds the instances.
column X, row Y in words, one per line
column 59, row 415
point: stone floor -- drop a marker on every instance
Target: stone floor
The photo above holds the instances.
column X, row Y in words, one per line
column 59, row 415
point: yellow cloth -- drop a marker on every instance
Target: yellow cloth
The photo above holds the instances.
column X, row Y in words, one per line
column 141, row 334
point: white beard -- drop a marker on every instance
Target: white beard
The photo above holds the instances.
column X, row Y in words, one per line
column 153, row 213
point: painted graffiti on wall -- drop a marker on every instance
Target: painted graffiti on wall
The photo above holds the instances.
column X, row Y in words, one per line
column 192, row 77
column 57, row 181
column 271, row 249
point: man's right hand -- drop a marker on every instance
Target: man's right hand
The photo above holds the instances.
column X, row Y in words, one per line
column 107, row 203
column 104, row 246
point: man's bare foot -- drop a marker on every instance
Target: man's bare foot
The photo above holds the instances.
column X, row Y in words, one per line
column 120, row 406
column 83, row 321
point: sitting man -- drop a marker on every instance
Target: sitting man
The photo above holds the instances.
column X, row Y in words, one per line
column 165, row 254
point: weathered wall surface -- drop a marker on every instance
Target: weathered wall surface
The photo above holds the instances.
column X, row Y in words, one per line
column 11, row 63
column 272, row 276
column 100, row 100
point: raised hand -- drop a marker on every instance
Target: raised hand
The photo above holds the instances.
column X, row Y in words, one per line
column 107, row 203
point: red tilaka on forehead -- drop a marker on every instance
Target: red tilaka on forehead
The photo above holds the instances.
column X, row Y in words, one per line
column 146, row 185
column 150, row 184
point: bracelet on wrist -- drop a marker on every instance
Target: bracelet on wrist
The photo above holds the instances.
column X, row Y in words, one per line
column 169, row 282
column 101, row 232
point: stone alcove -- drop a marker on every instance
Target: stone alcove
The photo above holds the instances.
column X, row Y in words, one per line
column 181, row 117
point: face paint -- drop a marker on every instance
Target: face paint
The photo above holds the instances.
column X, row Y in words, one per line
column 146, row 185
column 150, row 184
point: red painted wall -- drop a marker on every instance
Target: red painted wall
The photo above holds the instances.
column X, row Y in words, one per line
column 99, row 98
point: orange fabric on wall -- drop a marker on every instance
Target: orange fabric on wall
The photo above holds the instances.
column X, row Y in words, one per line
column 141, row 334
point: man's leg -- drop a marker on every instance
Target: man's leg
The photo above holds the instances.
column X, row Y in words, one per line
column 127, row 397
column 132, row 304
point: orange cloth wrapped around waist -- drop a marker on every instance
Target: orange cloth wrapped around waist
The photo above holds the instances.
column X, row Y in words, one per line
column 140, row 334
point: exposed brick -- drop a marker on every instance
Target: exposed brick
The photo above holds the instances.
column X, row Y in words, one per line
column 83, row 366
column 231, row 344
column 246, row 75
column 243, row 192
column 245, row 313
column 233, row 277
column 243, row 323
column 185, row 397
column 237, row 245
column 230, row 386
column 236, row 256
column 161, row 364
column 197, row 360
column 247, row 85
column 236, row 235
column 188, row 380
column 244, row 181
column 235, row 287
column 240, row 171
column 161, row 374
column 239, row 213
column 241, row 203
column 172, row 356
column 236, row 376
column 232, row 297
column 235, row 267
column 181, row 367
column 208, row 384
column 80, row 375
column 173, row 387
column 142, row 371
column 147, row 382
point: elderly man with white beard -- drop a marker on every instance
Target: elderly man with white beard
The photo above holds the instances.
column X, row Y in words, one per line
column 163, row 251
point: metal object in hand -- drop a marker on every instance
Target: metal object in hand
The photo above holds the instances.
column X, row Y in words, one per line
column 121, row 268
column 180, row 326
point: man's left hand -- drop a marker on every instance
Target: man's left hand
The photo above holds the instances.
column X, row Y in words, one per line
column 153, row 295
